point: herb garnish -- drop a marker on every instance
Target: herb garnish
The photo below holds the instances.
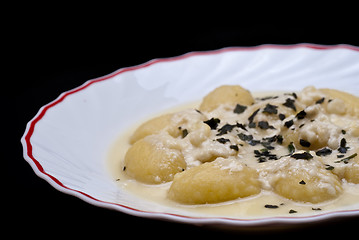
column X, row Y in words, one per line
column 271, row 109
column 304, row 155
column 329, row 167
column 320, row 101
column 184, row 133
column 212, row 123
column 291, row 148
column 222, row 140
column 251, row 117
column 343, row 148
column 316, row 209
column 323, row 152
column 264, row 154
column 304, row 143
column 301, row 114
column 346, row 160
column 234, row 147
column 264, row 125
column 239, row 109
column 292, row 211
column 290, row 104
column 271, row 206
column 289, row 123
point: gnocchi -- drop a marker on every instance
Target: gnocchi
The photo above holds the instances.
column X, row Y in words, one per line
column 212, row 182
column 305, row 181
column 226, row 94
column 302, row 146
column 151, row 160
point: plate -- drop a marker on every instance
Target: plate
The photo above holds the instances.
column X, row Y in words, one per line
column 67, row 142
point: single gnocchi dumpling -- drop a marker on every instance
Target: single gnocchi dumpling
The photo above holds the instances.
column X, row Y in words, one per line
column 351, row 173
column 150, row 127
column 342, row 102
column 226, row 94
column 154, row 160
column 212, row 182
column 305, row 180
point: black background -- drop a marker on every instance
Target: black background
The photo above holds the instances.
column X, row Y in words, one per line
column 51, row 54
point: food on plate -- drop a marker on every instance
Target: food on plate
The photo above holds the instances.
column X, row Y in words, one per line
column 301, row 146
column 216, row 181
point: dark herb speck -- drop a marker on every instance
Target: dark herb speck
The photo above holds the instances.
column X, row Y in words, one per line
column 271, row 206
column 251, row 117
column 323, row 152
column 239, row 109
column 271, row 109
column 281, row 116
column 289, row 123
column 302, row 182
column 222, row 140
column 234, row 147
column 304, row 143
column 304, row 155
column 290, row 104
column 212, row 123
column 264, row 125
column 292, row 211
column 301, row 114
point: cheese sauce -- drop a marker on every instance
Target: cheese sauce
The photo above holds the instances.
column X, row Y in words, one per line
column 261, row 157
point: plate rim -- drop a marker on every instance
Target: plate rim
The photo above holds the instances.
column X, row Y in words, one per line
column 255, row 222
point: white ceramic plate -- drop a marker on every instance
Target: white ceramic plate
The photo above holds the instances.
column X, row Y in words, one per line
column 66, row 143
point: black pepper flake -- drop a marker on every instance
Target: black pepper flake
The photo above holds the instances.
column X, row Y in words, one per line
column 289, row 123
column 344, row 132
column 124, row 168
column 239, row 109
column 304, row 143
column 290, row 104
column 304, row 155
column 270, row 109
column 212, row 123
column 302, row 182
column 271, row 206
column 323, row 152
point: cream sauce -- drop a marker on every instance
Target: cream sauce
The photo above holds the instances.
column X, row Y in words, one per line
column 250, row 207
